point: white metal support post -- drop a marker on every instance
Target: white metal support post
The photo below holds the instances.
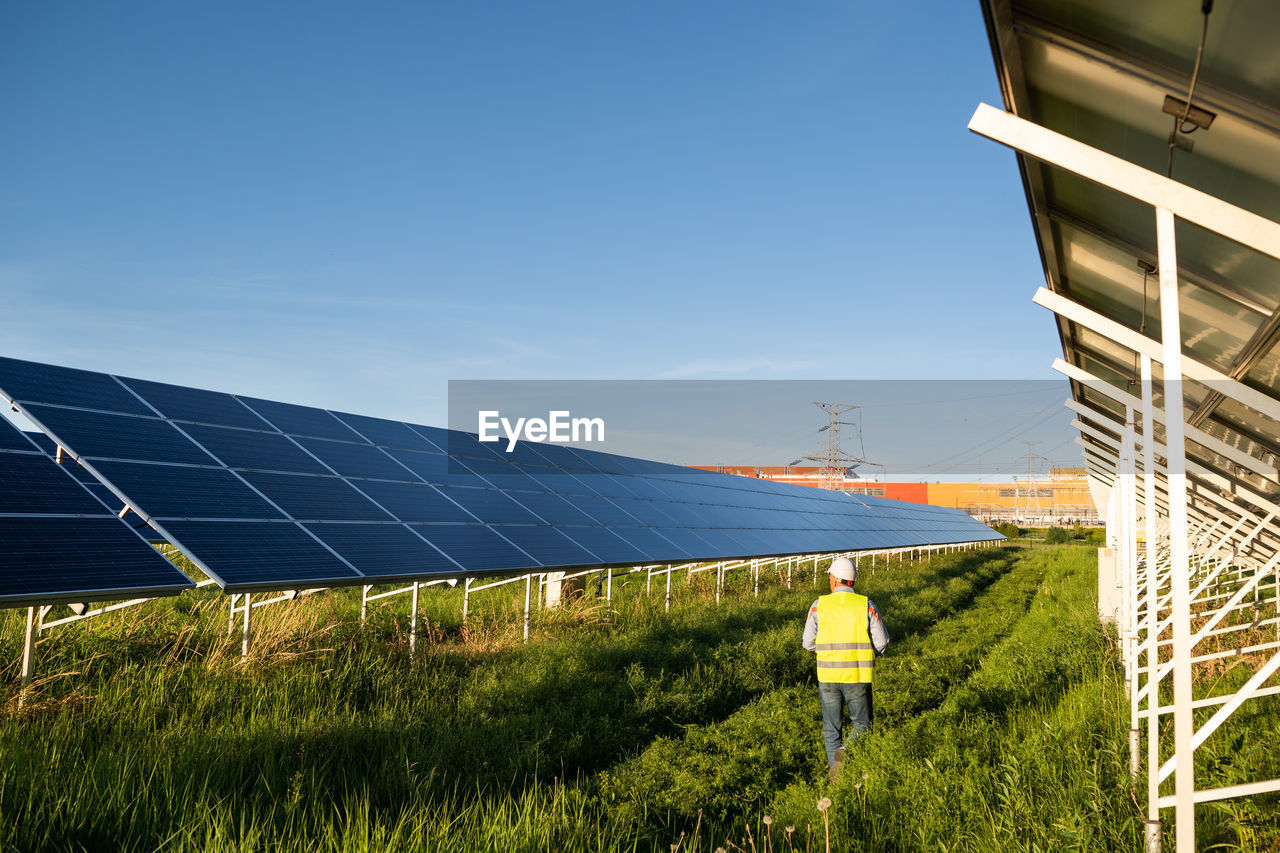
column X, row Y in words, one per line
column 755, row 577
column 413, row 623
column 528, row 587
column 1183, row 722
column 28, row 651
column 667, row 607
column 1152, row 822
column 466, row 597
column 608, row 586
column 246, row 629
column 364, row 603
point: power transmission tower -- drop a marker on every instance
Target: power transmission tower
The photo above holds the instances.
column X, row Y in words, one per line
column 834, row 462
column 1032, row 496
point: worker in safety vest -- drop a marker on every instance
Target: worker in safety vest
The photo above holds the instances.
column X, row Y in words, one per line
column 846, row 631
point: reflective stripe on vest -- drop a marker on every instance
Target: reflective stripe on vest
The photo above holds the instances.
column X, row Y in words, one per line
column 845, row 653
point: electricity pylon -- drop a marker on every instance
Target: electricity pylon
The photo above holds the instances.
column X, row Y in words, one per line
column 1033, row 495
column 834, row 462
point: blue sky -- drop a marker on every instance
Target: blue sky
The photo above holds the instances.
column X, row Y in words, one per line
column 348, row 205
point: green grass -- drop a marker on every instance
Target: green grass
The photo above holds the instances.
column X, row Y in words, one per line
column 999, row 724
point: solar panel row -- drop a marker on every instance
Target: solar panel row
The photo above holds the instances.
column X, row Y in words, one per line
column 61, row 543
column 264, row 494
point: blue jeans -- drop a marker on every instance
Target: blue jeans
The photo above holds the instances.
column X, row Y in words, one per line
column 834, row 698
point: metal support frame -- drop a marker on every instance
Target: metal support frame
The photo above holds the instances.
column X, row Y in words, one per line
column 413, row 622
column 246, row 634
column 1205, row 508
column 29, row 648
column 528, row 585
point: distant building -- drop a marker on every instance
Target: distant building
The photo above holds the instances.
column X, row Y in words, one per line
column 1060, row 498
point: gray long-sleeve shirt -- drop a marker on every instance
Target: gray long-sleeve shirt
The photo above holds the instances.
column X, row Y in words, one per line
column 875, row 625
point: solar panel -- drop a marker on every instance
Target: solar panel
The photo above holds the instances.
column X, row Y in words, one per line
column 61, row 543
column 11, row 438
column 550, row 546
column 384, row 550
column 269, row 495
column 261, row 554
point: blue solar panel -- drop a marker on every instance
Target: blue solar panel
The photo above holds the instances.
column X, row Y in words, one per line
column 561, row 483
column 477, row 547
column 118, row 436
column 357, row 460
column 45, row 560
column 61, row 544
column 415, row 502
column 191, row 404
column 30, row 382
column 12, row 439
column 178, row 491
column 31, row 484
column 603, row 511
column 436, row 468
column 301, row 420
column 650, row 513
column 606, row 485
column 606, row 545
column 726, row 543
column 384, row 550
column 562, row 458
column 643, row 487
column 114, row 504
column 260, row 555
column 490, row 505
column 262, row 451
column 500, row 475
column 552, row 509
column 438, row 437
column 315, row 498
column 549, row 546
column 323, row 474
column 652, row 543
column 386, row 433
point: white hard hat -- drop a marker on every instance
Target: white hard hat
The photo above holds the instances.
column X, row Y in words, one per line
column 844, row 569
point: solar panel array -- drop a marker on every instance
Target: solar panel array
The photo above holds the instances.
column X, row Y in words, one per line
column 60, row 543
column 270, row 495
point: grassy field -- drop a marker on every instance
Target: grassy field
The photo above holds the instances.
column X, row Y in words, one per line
column 999, row 725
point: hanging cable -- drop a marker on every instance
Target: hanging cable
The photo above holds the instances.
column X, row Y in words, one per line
column 1180, row 122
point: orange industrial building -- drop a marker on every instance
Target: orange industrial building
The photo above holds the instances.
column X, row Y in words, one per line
column 1061, row 498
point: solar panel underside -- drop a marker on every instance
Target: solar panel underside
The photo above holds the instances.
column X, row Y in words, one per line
column 61, row 543
column 270, row 495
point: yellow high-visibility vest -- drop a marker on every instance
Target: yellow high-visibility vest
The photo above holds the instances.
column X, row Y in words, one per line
column 845, row 653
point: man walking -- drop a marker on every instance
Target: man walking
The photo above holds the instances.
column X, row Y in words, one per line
column 846, row 631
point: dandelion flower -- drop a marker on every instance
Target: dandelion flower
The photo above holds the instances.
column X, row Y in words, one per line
column 824, row 804
column 790, row 829
column 768, row 821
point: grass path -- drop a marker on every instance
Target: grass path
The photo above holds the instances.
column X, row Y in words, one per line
column 999, row 727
